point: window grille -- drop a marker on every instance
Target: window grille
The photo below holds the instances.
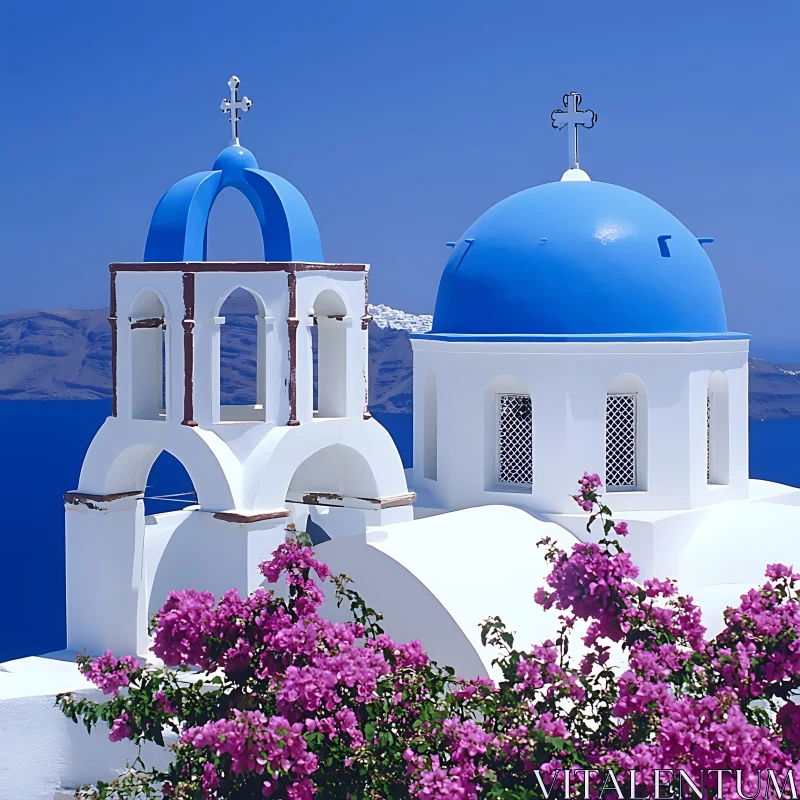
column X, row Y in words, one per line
column 515, row 439
column 621, row 441
column 708, row 438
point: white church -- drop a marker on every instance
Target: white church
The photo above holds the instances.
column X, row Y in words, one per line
column 578, row 326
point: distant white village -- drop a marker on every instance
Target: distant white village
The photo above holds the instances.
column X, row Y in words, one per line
column 578, row 326
column 385, row 317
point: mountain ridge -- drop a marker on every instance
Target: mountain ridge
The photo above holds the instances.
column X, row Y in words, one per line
column 66, row 354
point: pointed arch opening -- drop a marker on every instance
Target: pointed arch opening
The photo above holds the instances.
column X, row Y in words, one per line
column 233, row 232
column 332, row 492
column 242, row 357
column 169, row 487
column 149, row 357
column 626, row 435
column 430, row 435
column 329, row 354
column 717, row 430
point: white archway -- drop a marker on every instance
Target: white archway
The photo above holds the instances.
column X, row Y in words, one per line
column 288, row 459
column 120, row 457
column 113, row 551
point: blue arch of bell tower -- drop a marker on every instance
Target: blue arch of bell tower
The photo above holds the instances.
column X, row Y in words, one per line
column 179, row 228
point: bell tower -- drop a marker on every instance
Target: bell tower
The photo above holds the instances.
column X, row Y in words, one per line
column 292, row 455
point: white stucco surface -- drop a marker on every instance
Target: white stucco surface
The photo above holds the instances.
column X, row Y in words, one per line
column 41, row 751
column 568, row 383
column 438, row 579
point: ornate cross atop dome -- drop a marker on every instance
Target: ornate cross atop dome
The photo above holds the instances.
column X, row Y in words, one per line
column 572, row 117
column 234, row 106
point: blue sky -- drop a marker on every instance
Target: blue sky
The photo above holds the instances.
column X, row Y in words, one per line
column 401, row 122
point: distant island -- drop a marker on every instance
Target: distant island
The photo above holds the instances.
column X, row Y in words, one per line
column 66, row 355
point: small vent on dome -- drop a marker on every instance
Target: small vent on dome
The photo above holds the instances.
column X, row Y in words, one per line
column 663, row 246
column 464, row 249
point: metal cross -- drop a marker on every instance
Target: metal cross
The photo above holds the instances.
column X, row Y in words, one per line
column 572, row 117
column 234, row 106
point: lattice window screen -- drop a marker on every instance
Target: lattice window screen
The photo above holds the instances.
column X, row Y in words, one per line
column 708, row 438
column 515, row 439
column 621, row 441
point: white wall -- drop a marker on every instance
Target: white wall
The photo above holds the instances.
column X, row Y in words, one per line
column 228, row 554
column 438, row 579
column 568, row 383
column 41, row 750
column 106, row 596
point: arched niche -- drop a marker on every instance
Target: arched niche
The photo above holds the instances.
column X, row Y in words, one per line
column 149, row 356
column 283, row 455
column 329, row 354
column 717, row 411
column 430, row 429
column 240, row 357
column 626, row 440
column 336, row 470
column 509, row 436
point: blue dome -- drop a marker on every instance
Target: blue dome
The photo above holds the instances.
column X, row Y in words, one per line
column 180, row 222
column 235, row 158
column 579, row 259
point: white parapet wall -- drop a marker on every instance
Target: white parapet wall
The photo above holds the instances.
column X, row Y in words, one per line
column 42, row 753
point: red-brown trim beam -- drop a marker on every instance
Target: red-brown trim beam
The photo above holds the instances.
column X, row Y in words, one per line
column 244, row 519
column 83, row 498
column 234, row 266
column 112, row 321
column 292, row 323
column 188, row 349
column 150, row 322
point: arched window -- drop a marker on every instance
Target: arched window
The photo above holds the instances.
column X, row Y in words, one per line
column 430, row 435
column 626, row 435
column 149, row 357
column 717, row 426
column 242, row 364
column 330, row 364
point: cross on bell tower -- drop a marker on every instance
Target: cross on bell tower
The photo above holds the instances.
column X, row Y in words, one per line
column 234, row 106
column 572, row 117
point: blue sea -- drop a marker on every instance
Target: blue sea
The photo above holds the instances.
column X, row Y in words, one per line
column 43, row 445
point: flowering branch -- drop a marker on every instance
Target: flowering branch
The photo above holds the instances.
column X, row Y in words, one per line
column 265, row 697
